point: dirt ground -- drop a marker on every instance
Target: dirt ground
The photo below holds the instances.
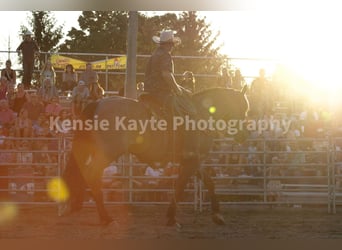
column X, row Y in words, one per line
column 148, row 222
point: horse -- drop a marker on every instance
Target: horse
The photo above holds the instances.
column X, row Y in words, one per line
column 117, row 129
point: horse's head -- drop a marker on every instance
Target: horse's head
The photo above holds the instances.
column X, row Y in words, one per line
column 225, row 108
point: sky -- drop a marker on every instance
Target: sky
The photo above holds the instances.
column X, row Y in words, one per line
column 308, row 40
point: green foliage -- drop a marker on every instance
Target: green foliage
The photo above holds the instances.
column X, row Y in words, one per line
column 106, row 32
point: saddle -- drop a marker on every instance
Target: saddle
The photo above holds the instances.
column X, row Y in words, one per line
column 156, row 108
column 178, row 105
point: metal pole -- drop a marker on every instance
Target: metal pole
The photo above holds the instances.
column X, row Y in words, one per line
column 130, row 83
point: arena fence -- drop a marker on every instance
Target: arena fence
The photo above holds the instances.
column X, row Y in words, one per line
column 274, row 172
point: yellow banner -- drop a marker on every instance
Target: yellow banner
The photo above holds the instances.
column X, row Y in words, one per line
column 59, row 62
column 116, row 63
column 113, row 63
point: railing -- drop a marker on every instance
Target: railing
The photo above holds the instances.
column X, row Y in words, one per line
column 308, row 176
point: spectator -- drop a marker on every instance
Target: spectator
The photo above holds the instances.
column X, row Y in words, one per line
column 80, row 96
column 3, row 87
column 24, row 154
column 9, row 73
column 53, row 108
column 69, row 78
column 48, row 72
column 23, row 124
column 38, row 127
column 188, row 81
column 140, row 88
column 64, row 115
column 34, row 107
column 224, row 79
column 10, row 95
column 47, row 91
column 96, row 92
column 7, row 115
column 238, row 80
column 260, row 87
column 29, row 49
column 89, row 75
column 20, row 98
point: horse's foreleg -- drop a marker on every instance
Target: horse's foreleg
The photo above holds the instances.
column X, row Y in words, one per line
column 93, row 174
column 215, row 206
column 96, row 188
column 187, row 169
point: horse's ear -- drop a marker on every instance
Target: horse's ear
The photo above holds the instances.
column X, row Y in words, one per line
column 244, row 89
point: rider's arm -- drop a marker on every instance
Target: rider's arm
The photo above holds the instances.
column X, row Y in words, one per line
column 170, row 79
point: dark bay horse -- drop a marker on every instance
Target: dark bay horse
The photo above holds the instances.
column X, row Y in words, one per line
column 118, row 125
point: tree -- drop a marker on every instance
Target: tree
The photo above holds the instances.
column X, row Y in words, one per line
column 106, row 32
column 197, row 41
column 101, row 32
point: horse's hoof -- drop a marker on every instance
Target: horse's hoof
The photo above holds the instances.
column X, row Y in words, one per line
column 173, row 222
column 218, row 219
column 107, row 221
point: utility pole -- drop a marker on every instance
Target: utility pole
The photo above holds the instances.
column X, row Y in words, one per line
column 130, row 83
column 9, row 47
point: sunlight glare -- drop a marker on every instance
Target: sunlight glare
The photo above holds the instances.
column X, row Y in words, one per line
column 57, row 190
column 8, row 212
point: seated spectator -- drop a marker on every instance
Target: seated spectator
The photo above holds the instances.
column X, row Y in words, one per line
column 53, row 108
column 20, row 98
column 7, row 116
column 38, row 127
column 108, row 173
column 80, row 96
column 96, row 92
column 238, row 80
column 152, row 172
column 69, row 78
column 140, row 88
column 24, row 154
column 224, row 80
column 34, row 107
column 89, row 75
column 48, row 71
column 3, row 87
column 47, row 91
column 109, row 181
column 64, row 115
column 9, row 73
column 188, row 81
column 23, row 124
column 10, row 95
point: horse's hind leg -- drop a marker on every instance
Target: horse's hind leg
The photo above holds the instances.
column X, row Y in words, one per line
column 215, row 206
column 75, row 184
column 187, row 169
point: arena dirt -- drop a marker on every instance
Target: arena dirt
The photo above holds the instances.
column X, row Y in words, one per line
column 148, row 222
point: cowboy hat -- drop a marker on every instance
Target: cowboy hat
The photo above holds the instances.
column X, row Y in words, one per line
column 167, row 36
column 28, row 33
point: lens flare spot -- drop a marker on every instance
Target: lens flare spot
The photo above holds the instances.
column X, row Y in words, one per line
column 8, row 212
column 57, row 190
column 212, row 110
column 139, row 139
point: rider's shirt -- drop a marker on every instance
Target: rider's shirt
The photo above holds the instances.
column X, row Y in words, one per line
column 159, row 61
